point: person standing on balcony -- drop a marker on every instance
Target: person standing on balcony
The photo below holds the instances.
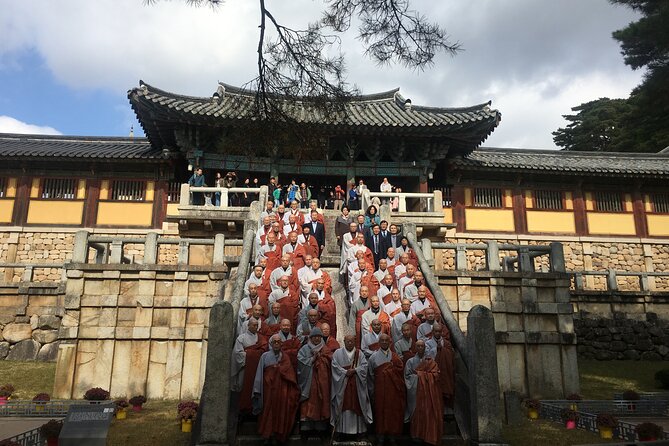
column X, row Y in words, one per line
column 339, row 196
column 386, row 188
column 197, row 180
column 276, row 194
column 292, row 191
column 271, row 187
column 218, row 182
column 395, row 202
column 230, row 180
column 353, row 199
column 303, row 195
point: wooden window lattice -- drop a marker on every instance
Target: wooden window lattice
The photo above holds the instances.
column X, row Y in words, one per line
column 446, row 194
column 548, row 199
column 173, row 191
column 608, row 201
column 3, row 187
column 661, row 203
column 59, row 188
column 128, row 190
column 488, row 197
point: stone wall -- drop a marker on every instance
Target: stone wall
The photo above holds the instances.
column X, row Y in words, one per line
column 536, row 346
column 620, row 337
column 30, row 318
column 136, row 329
column 581, row 254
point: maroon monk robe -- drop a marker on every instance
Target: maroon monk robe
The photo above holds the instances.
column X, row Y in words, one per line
column 281, row 396
column 253, row 354
column 317, row 406
column 429, row 404
column 445, row 359
column 389, row 397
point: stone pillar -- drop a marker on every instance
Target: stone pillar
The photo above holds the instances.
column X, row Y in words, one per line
column 151, row 248
column 486, row 420
column 611, row 281
column 182, row 258
column 492, row 256
column 263, row 196
column 184, row 199
column 460, row 257
column 426, row 246
column 557, row 258
column 219, row 249
column 116, row 255
column 384, row 212
column 80, row 250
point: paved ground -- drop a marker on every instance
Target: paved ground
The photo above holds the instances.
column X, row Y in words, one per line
column 11, row 426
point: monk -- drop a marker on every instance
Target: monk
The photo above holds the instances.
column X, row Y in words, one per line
column 248, row 348
column 272, row 323
column 313, row 376
column 393, row 307
column 404, row 347
column 440, row 348
column 351, row 410
column 425, row 408
column 309, row 280
column 308, row 325
column 327, row 307
column 257, row 315
column 275, row 393
column 386, row 288
column 290, row 344
column 424, row 331
column 385, row 381
column 421, row 304
column 375, row 311
column 290, row 302
column 307, row 245
column 284, row 269
column 359, row 306
column 371, row 338
column 330, row 341
column 246, row 305
column 400, row 318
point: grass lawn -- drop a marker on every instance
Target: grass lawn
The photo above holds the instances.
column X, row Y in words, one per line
column 157, row 423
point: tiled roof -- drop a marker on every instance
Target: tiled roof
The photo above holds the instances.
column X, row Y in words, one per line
column 387, row 112
column 566, row 162
column 32, row 146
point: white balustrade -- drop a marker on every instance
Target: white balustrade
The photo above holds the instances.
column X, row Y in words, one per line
column 187, row 190
column 431, row 198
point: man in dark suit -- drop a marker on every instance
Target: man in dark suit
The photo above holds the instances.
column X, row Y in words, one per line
column 318, row 231
column 375, row 244
column 394, row 237
column 385, row 236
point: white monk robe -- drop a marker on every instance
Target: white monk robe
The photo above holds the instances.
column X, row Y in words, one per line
column 349, row 422
column 308, row 282
column 367, row 318
column 287, row 228
column 419, row 305
column 245, row 305
column 264, row 249
column 393, row 308
column 384, row 290
column 380, row 274
column 348, row 241
column 289, row 248
column 277, row 274
column 369, row 338
column 402, row 285
column 252, row 280
column 277, row 295
column 400, row 271
column 424, row 331
column 396, row 326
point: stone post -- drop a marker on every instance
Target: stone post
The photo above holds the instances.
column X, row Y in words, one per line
column 116, row 255
column 486, row 420
column 182, row 257
column 426, row 245
column 492, row 256
column 215, row 399
column 151, row 248
column 438, row 201
column 557, row 258
column 27, row 273
column 263, row 196
column 219, row 249
column 384, row 212
column 611, row 282
column 402, row 200
column 525, row 262
column 184, row 199
column 460, row 257
column 224, row 198
column 80, row 251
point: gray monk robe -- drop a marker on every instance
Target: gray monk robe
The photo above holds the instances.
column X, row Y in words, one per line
column 351, row 409
column 245, row 357
column 313, row 377
column 425, row 408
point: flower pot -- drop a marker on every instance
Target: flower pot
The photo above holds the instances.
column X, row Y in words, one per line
column 606, row 432
column 121, row 414
column 631, row 407
column 52, row 441
column 573, row 406
column 571, row 424
column 136, row 408
column 39, row 407
column 647, row 438
column 186, row 425
column 3, row 400
column 532, row 414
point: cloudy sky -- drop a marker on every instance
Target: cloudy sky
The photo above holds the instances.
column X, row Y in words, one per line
column 66, row 66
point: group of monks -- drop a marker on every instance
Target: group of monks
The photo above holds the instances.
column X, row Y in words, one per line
column 396, row 365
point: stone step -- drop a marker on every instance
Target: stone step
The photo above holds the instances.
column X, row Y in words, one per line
column 248, row 440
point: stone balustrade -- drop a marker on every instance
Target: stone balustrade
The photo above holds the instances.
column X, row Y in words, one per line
column 425, row 202
column 186, row 198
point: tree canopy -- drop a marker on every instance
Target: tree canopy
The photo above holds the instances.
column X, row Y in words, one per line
column 638, row 123
column 307, row 63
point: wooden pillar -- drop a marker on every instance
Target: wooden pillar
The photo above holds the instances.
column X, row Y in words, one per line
column 159, row 203
column 458, row 205
column 21, row 201
column 639, row 209
column 519, row 211
column 580, row 217
column 91, row 203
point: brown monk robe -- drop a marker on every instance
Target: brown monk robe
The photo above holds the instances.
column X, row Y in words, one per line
column 313, row 376
column 307, row 245
column 328, row 313
column 440, row 348
column 290, row 344
column 289, row 300
column 330, row 341
column 247, row 355
column 425, row 407
column 275, row 393
column 272, row 323
column 385, row 381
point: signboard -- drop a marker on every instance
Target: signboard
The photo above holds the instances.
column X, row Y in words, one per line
column 86, row 425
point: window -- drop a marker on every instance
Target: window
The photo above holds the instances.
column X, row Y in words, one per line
column 3, row 187
column 608, row 201
column 548, row 199
column 59, row 188
column 661, row 203
column 445, row 195
column 487, row 197
column 128, row 190
column 173, row 191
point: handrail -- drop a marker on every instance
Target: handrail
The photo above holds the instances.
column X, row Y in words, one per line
column 186, row 190
column 433, row 199
column 242, row 270
column 457, row 335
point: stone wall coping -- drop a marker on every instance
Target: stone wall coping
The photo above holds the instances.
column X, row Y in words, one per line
column 93, row 267
column 72, row 230
column 559, row 238
column 447, row 273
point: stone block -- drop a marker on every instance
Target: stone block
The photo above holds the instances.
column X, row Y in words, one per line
column 68, row 332
column 141, row 332
column 48, row 352
column 194, row 333
column 74, row 288
column 173, row 369
column 190, row 384
column 49, row 322
column 65, row 365
column 544, row 371
column 163, row 288
column 14, row 333
column 34, row 321
column 121, row 369
column 179, row 301
column 70, row 318
column 155, row 383
column 4, row 349
column 125, row 317
column 180, row 276
column 514, row 322
column 160, row 332
column 45, row 336
column 25, row 350
column 139, row 366
column 94, row 365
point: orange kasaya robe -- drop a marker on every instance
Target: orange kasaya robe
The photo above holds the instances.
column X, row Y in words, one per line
column 281, row 396
column 445, row 359
column 317, row 406
column 326, row 278
column 290, row 309
column 332, row 343
column 389, row 397
column 253, row 354
column 269, row 329
column 273, row 259
column 328, row 314
column 304, row 249
column 426, row 421
column 371, row 282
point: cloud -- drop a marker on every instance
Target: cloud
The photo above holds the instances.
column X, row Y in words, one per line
column 12, row 125
column 526, row 56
